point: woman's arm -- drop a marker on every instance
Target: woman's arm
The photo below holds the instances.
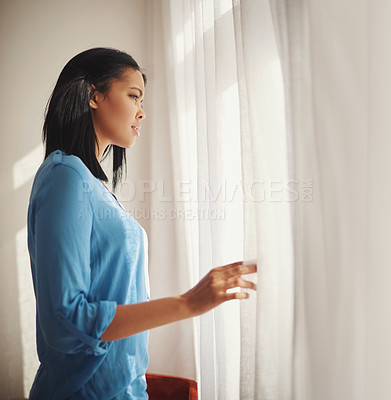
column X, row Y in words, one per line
column 207, row 294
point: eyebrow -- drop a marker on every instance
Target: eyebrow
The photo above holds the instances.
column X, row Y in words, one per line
column 141, row 92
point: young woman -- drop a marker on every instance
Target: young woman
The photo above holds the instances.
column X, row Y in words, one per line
column 88, row 255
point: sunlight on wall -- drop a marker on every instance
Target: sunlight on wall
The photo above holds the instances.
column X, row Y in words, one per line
column 26, row 310
column 26, row 167
column 23, row 172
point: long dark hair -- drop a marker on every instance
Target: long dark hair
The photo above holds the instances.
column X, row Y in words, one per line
column 68, row 122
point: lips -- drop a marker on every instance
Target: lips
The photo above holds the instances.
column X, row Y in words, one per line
column 136, row 129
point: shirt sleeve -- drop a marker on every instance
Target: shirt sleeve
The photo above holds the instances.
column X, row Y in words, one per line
column 63, row 221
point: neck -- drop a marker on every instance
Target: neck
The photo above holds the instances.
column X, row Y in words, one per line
column 99, row 150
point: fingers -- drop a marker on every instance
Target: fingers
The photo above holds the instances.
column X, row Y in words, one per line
column 239, row 282
column 238, row 268
column 237, row 295
column 227, row 266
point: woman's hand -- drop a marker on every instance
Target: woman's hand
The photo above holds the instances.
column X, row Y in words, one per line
column 212, row 288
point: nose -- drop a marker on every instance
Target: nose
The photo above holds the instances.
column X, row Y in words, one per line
column 141, row 114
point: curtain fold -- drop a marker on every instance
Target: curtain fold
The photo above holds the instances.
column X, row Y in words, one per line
column 205, row 130
column 324, row 53
column 173, row 348
column 266, row 324
column 228, row 133
column 378, row 226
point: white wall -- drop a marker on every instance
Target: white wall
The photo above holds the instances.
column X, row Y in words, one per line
column 37, row 38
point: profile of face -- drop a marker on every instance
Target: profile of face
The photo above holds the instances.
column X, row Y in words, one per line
column 117, row 114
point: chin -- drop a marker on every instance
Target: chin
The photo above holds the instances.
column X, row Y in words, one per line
column 126, row 145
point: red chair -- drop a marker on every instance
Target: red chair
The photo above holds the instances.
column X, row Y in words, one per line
column 165, row 387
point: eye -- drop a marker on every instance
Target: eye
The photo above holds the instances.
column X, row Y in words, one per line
column 136, row 98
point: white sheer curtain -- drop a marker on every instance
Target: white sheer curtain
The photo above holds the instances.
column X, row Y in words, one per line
column 322, row 332
column 205, row 130
column 336, row 60
column 229, row 144
column 267, row 345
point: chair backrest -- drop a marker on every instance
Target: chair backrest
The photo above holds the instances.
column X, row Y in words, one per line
column 166, row 387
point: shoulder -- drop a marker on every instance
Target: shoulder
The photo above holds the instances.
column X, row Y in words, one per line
column 68, row 161
column 61, row 171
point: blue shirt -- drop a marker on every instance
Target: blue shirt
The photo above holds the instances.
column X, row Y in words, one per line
column 87, row 255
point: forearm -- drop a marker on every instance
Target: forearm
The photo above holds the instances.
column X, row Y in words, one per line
column 134, row 318
column 207, row 294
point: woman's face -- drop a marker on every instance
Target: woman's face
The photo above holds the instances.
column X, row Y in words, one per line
column 117, row 114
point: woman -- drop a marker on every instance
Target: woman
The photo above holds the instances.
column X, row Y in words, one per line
column 88, row 255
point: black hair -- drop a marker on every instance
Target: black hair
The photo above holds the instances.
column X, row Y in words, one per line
column 68, row 122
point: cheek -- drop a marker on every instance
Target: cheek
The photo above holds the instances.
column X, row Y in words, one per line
column 118, row 115
column 123, row 110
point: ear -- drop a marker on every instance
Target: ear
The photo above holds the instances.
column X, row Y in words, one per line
column 93, row 98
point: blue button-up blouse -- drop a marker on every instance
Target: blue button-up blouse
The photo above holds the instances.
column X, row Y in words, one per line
column 87, row 255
